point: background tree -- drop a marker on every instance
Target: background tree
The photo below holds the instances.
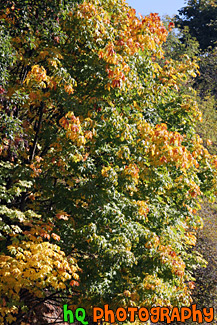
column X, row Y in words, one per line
column 200, row 17
column 206, row 82
column 179, row 42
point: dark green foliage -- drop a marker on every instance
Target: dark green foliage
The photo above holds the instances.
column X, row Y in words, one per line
column 200, row 16
column 206, row 82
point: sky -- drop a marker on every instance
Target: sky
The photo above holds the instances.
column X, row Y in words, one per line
column 162, row 7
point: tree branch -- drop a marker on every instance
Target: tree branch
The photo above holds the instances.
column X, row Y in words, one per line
column 36, row 134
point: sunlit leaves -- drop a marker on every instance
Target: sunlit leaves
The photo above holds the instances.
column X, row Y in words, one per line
column 33, row 266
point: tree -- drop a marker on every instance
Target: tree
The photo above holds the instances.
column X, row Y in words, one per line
column 206, row 82
column 200, row 17
column 179, row 42
column 99, row 153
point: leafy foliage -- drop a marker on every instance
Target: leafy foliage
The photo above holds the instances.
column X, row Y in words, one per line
column 200, row 17
column 99, row 153
column 179, row 42
column 206, row 82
